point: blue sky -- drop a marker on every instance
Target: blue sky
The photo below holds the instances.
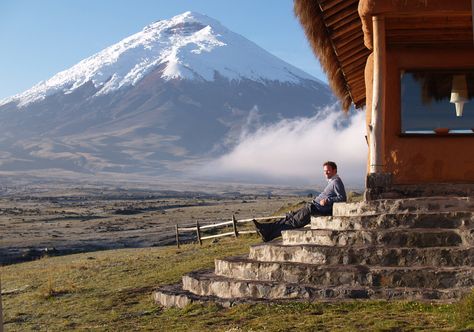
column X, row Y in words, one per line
column 40, row 38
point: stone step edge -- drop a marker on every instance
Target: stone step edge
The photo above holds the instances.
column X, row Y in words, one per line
column 364, row 207
column 402, row 237
column 359, row 247
column 338, row 213
column 379, row 219
column 356, row 247
column 421, row 198
column 409, row 213
column 245, row 259
column 393, row 293
column 174, row 296
column 379, row 231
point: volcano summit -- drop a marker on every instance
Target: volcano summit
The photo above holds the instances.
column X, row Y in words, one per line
column 179, row 91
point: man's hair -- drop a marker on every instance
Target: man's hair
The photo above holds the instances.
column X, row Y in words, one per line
column 332, row 164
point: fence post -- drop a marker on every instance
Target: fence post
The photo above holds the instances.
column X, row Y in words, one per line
column 177, row 236
column 1, row 310
column 234, row 224
column 198, row 233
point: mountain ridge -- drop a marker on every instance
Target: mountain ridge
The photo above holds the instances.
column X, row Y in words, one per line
column 160, row 124
column 187, row 46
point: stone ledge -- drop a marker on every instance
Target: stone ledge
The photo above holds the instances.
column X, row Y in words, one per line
column 407, row 205
column 369, row 255
column 413, row 237
column 345, row 275
column 175, row 296
column 165, row 296
column 207, row 284
column 381, row 186
column 442, row 220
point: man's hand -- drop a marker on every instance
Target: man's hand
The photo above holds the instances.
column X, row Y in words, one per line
column 323, row 202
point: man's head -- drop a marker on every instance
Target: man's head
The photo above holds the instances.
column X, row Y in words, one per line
column 330, row 169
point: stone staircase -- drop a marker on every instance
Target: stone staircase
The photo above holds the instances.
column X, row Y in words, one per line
column 416, row 249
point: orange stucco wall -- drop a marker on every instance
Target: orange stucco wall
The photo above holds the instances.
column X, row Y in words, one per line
column 433, row 159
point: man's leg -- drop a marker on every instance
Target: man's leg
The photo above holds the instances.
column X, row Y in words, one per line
column 319, row 210
column 299, row 219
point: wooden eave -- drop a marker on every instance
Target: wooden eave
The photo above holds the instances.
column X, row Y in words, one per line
column 420, row 23
column 340, row 33
column 334, row 30
column 435, row 31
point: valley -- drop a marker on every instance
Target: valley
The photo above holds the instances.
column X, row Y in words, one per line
column 82, row 220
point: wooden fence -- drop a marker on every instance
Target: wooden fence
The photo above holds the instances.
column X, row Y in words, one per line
column 234, row 222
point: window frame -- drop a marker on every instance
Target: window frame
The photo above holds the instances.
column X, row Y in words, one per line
column 402, row 71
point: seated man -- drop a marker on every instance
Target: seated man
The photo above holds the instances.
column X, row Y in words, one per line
column 321, row 205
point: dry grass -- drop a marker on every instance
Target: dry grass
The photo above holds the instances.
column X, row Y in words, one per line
column 465, row 312
column 58, row 225
column 111, row 291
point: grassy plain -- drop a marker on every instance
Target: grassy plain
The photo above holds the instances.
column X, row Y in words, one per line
column 111, row 291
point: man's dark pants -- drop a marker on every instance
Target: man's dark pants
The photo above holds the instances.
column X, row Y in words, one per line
column 300, row 218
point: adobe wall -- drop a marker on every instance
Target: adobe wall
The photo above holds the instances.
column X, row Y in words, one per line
column 433, row 159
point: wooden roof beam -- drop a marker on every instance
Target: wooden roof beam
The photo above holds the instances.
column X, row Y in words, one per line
column 415, row 7
column 346, row 29
column 326, row 4
column 369, row 8
column 446, row 22
column 336, row 20
column 356, row 54
column 336, row 7
column 351, row 39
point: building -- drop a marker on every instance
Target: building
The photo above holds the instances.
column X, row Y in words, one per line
column 411, row 65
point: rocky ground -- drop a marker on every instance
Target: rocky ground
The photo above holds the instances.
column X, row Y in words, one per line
column 58, row 222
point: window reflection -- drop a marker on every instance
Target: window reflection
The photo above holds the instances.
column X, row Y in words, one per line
column 432, row 102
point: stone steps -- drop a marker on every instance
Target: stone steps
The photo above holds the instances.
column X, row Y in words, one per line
column 411, row 249
column 418, row 238
column 447, row 220
column 176, row 296
column 369, row 255
column 406, row 205
column 348, row 275
column 207, row 284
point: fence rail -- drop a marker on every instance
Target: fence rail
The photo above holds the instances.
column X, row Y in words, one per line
column 234, row 222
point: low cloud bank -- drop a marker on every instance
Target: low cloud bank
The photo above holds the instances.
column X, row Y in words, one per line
column 292, row 151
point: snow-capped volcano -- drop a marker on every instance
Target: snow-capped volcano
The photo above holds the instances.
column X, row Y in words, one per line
column 180, row 91
column 188, row 46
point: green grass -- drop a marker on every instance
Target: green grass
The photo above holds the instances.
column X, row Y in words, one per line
column 354, row 197
column 111, row 291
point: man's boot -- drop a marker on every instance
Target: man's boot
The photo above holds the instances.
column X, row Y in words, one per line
column 267, row 231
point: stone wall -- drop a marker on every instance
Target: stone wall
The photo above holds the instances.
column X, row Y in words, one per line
column 381, row 186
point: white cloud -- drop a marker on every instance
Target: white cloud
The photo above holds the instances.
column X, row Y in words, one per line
column 292, row 151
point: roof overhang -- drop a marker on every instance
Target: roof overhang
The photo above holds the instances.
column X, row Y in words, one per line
column 340, row 33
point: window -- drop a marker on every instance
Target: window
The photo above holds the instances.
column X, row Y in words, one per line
column 437, row 102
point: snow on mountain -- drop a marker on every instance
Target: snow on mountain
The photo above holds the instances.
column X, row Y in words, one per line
column 189, row 46
column 160, row 102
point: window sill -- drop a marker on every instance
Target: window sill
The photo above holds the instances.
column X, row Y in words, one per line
column 437, row 135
